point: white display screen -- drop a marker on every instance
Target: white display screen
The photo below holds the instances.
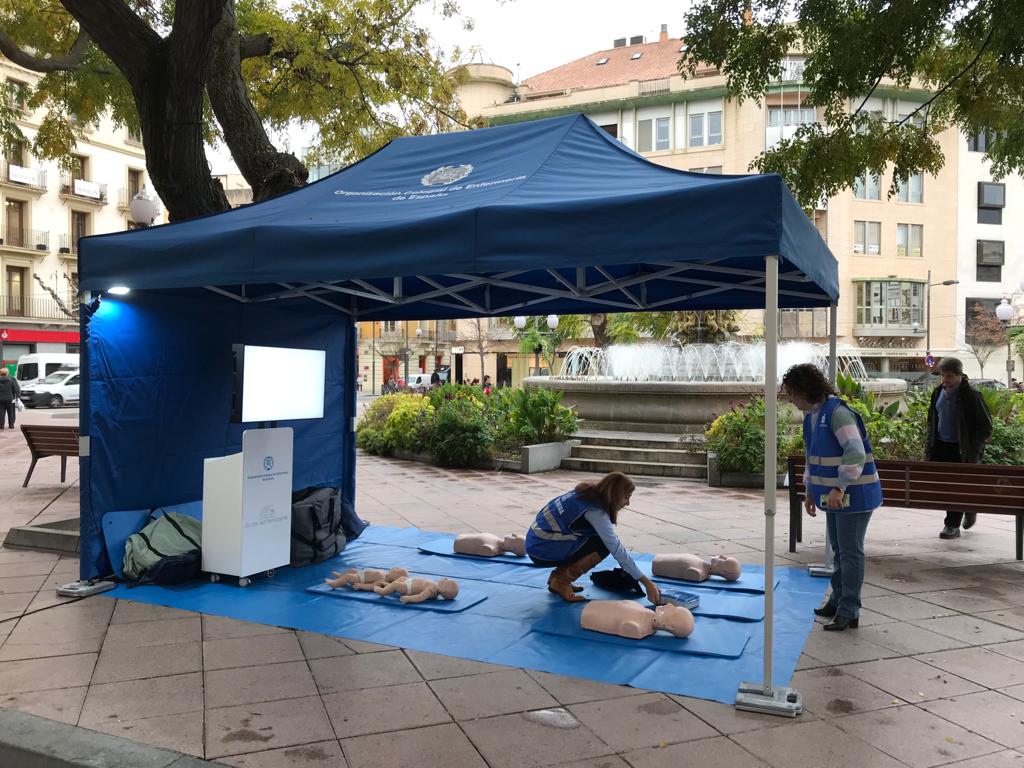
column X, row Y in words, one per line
column 281, row 384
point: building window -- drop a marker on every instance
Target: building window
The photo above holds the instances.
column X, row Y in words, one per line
column 867, row 237
column 980, row 142
column 79, row 166
column 889, row 304
column 803, row 323
column 910, row 240
column 644, row 140
column 713, row 170
column 17, row 94
column 780, row 116
column 15, row 152
column 389, row 326
column 602, row 60
column 661, row 136
column 15, row 285
column 697, row 130
column 991, row 257
column 991, row 201
column 134, row 183
column 636, row 56
column 79, row 228
column 911, row 190
column 976, row 310
column 14, row 220
column 867, row 187
column 611, row 129
column 714, row 127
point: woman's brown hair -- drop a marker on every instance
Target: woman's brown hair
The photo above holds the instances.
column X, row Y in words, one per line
column 611, row 491
column 808, row 381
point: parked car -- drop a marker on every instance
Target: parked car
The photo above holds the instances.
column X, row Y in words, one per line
column 32, row 369
column 57, row 389
column 990, row 383
column 418, row 381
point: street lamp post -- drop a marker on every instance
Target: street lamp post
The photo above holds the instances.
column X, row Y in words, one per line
column 552, row 322
column 928, row 323
column 1005, row 314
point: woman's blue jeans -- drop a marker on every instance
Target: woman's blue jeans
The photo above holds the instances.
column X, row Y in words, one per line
column 846, row 534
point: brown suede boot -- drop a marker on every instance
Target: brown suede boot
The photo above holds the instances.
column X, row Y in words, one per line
column 561, row 580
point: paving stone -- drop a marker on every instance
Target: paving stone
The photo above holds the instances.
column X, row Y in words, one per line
column 641, row 721
column 350, row 673
column 971, row 630
column 325, row 754
column 830, row 692
column 317, row 646
column 223, row 628
column 18, row 647
column 437, row 746
column 605, row 761
column 984, row 667
column 907, row 639
column 494, row 693
column 266, row 726
column 1007, row 759
column 916, row 737
column 153, row 633
column 574, row 690
column 972, row 600
column 716, row 752
column 433, row 666
column 110, row 702
column 250, row 685
column 14, row 584
column 911, row 680
column 117, row 664
column 26, row 568
column 835, row 648
column 532, row 738
column 127, row 611
column 391, row 708
column 46, row 674
column 988, row 713
column 905, row 608
column 360, row 646
column 1008, row 617
column 813, row 745
column 251, row 650
column 61, row 704
column 182, row 732
column 726, row 719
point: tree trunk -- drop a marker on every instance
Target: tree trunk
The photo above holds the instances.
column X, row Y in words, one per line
column 269, row 172
column 599, row 325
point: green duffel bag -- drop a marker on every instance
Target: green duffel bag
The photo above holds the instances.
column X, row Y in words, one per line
column 164, row 538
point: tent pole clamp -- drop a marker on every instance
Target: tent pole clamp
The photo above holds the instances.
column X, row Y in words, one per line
column 754, row 697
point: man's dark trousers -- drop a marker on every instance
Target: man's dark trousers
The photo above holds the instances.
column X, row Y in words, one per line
column 944, row 451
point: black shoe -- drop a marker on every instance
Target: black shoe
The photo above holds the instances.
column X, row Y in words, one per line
column 827, row 610
column 970, row 518
column 949, row 532
column 839, row 623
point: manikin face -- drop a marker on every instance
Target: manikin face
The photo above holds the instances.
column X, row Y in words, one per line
column 447, row 589
column 675, row 619
column 727, row 567
column 950, row 380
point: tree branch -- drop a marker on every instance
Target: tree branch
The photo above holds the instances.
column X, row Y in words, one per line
column 251, row 46
column 118, row 31
column 24, row 59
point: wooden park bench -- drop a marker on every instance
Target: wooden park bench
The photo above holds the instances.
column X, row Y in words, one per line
column 989, row 489
column 48, row 440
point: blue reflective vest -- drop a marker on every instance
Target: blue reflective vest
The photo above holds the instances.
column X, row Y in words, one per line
column 552, row 535
column 825, row 454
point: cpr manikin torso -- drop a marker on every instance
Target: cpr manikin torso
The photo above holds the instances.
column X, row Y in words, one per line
column 696, row 568
column 489, row 545
column 417, row 590
column 366, row 579
column 628, row 618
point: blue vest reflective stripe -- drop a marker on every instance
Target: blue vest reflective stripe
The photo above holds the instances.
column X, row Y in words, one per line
column 824, row 455
column 552, row 535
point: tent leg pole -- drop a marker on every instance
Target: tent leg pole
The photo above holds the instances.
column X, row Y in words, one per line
column 826, row 567
column 764, row 697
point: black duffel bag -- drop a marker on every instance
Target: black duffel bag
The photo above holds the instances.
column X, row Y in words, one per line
column 316, row 525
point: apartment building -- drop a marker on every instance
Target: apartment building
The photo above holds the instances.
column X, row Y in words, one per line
column 886, row 246
column 395, row 349
column 46, row 211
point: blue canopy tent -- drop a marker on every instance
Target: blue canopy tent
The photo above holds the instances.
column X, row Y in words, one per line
column 552, row 216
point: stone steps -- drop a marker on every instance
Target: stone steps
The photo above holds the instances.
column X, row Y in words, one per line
column 657, row 469
column 643, row 427
column 639, row 453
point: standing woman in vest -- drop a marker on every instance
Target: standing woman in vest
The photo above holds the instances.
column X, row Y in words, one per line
column 575, row 531
column 840, row 479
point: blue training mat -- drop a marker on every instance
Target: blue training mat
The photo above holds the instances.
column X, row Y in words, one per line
column 443, row 547
column 118, row 526
column 462, row 601
column 711, row 637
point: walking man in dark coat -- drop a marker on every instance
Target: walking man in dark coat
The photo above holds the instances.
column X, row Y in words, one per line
column 959, row 425
column 10, row 391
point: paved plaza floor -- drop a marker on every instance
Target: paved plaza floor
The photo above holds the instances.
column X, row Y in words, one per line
column 933, row 676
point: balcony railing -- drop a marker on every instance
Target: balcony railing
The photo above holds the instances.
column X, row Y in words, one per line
column 33, row 178
column 69, row 244
column 82, row 189
column 654, row 87
column 37, row 307
column 19, row 237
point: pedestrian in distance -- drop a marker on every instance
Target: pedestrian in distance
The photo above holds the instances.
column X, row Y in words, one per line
column 840, row 479
column 959, row 425
column 10, row 391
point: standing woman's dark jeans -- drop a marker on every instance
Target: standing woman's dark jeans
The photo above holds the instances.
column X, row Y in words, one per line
column 592, row 544
column 943, row 451
column 846, row 532
column 9, row 410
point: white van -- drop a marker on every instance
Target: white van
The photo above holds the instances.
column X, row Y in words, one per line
column 34, row 368
column 58, row 389
column 418, row 381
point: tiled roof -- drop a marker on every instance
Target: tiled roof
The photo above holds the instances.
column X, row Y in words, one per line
column 658, row 60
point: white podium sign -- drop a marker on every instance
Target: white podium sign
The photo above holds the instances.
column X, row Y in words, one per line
column 247, row 505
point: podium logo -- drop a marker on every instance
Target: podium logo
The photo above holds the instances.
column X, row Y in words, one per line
column 268, row 463
column 446, row 174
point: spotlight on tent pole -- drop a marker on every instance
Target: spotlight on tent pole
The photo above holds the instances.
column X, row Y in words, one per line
column 118, row 290
column 143, row 208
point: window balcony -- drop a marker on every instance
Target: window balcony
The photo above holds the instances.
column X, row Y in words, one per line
column 69, row 246
column 19, row 177
column 82, row 191
column 24, row 239
column 34, row 308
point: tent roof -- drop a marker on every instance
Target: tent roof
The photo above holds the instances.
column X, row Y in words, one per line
column 552, row 215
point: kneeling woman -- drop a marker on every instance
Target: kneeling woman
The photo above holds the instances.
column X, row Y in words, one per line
column 574, row 532
column 840, row 479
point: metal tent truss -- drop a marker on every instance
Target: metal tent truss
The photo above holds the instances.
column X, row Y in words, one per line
column 623, row 288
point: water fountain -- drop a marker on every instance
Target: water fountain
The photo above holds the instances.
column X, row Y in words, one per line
column 680, row 388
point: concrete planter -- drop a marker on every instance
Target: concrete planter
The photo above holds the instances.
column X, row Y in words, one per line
column 543, row 457
column 717, row 478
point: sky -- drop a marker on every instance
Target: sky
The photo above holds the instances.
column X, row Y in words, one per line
column 529, row 37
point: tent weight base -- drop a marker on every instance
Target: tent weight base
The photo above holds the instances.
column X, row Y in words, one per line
column 819, row 570
column 84, row 588
column 753, row 697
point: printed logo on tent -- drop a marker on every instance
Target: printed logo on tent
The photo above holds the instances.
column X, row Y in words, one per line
column 268, row 463
column 446, row 174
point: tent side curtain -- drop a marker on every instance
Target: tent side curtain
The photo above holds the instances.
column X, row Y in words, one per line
column 521, row 199
column 159, row 381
